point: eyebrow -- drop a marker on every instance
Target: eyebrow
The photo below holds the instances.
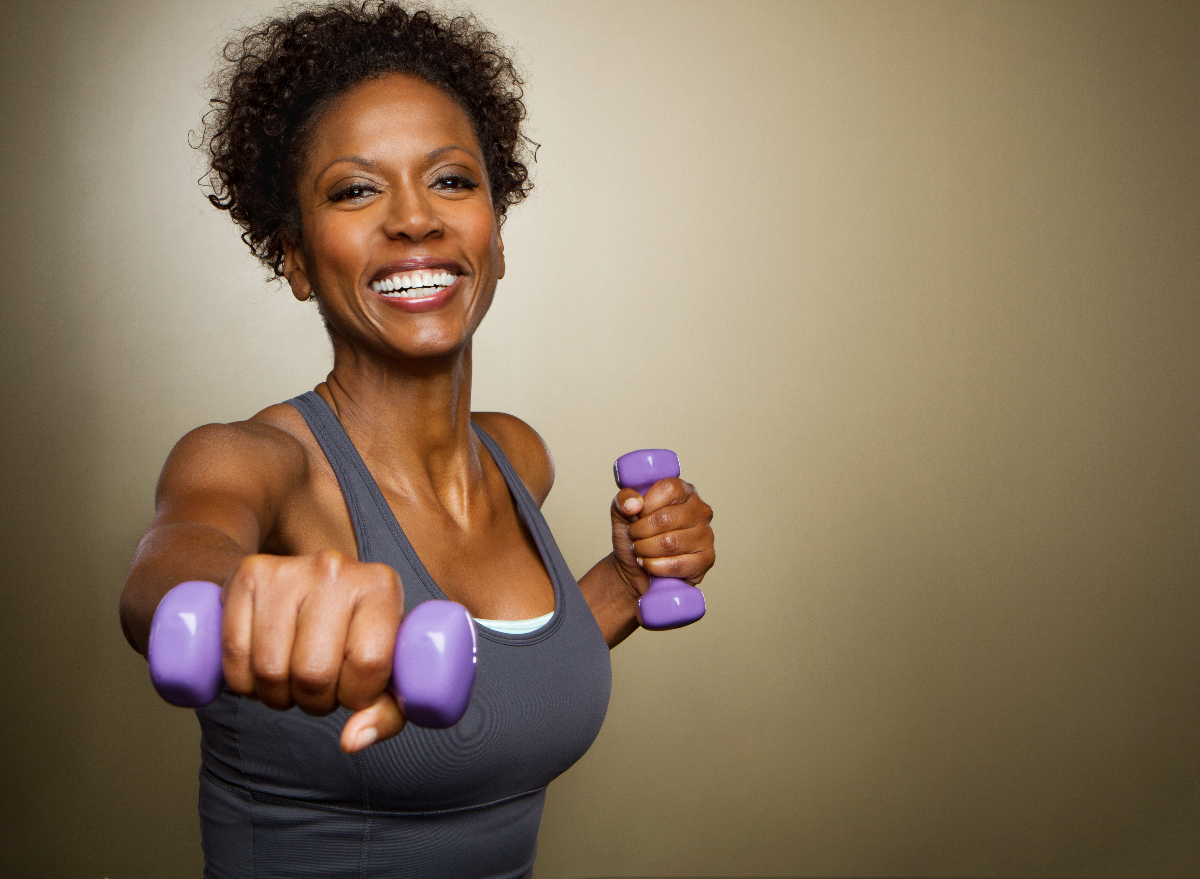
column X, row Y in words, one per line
column 364, row 162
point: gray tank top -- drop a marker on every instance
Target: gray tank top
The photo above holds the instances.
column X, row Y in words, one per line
column 278, row 797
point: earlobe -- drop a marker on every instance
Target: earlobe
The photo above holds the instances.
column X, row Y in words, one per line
column 500, row 273
column 297, row 277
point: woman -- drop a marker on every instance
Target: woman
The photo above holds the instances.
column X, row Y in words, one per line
column 370, row 156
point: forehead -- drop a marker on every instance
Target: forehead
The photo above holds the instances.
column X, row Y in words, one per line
column 390, row 113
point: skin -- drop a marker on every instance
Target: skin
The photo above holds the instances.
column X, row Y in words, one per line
column 393, row 172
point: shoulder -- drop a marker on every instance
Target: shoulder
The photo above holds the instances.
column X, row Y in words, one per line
column 260, row 456
column 523, row 447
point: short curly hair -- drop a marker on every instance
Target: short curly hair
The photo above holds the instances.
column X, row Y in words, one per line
column 278, row 78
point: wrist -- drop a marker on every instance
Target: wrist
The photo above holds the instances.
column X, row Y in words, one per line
column 631, row 588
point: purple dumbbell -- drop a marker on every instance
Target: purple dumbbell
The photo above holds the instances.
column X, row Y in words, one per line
column 668, row 603
column 433, row 668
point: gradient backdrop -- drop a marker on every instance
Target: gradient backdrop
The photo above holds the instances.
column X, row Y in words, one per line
column 913, row 288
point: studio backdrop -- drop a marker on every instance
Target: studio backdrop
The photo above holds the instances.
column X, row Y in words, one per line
column 913, row 288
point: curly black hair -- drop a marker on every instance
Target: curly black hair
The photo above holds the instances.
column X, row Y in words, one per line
column 279, row 77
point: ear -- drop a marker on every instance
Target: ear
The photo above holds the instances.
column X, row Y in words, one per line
column 500, row 239
column 294, row 271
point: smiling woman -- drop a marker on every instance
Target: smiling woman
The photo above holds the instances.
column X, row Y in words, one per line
column 370, row 155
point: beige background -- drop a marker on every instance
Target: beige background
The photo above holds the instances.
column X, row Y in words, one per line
column 913, row 289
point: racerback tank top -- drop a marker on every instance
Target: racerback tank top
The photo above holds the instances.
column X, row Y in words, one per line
column 278, row 797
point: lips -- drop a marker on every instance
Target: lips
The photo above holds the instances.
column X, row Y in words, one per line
column 417, row 284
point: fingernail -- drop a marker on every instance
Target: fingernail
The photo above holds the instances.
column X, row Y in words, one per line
column 630, row 505
column 365, row 738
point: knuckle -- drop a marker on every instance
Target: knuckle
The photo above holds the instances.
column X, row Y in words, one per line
column 251, row 564
column 270, row 672
column 676, row 490
column 369, row 661
column 313, row 677
column 669, row 543
column 675, row 566
column 234, row 653
column 250, row 573
column 662, row 519
column 385, row 577
column 310, row 698
column 328, row 563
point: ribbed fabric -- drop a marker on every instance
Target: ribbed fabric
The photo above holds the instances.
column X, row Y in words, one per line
column 278, row 798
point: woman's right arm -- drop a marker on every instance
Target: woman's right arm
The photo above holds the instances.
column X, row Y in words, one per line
column 217, row 501
column 316, row 629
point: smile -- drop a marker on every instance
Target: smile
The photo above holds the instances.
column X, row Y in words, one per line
column 414, row 285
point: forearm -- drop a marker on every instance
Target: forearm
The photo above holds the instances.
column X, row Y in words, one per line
column 613, row 601
column 168, row 555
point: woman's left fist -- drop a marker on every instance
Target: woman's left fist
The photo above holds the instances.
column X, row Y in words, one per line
column 666, row 533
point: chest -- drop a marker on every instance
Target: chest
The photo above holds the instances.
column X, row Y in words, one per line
column 491, row 564
column 493, row 567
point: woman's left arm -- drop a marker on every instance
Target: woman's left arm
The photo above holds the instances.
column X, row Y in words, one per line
column 667, row 533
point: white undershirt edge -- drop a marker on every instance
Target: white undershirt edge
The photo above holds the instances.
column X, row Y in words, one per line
column 515, row 627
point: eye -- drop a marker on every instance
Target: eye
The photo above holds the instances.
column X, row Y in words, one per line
column 353, row 192
column 454, row 182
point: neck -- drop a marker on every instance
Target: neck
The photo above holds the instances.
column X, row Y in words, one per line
column 410, row 420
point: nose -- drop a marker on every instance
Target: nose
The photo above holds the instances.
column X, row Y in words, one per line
column 412, row 215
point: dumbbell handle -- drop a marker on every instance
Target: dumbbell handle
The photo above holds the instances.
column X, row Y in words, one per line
column 433, row 667
column 668, row 603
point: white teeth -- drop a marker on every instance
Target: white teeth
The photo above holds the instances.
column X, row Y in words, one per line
column 414, row 284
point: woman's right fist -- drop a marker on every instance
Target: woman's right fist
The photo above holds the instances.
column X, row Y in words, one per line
column 315, row 631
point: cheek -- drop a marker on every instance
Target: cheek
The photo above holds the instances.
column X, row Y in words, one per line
column 482, row 237
column 335, row 249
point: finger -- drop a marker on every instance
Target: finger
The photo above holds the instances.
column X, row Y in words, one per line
column 664, row 493
column 371, row 638
column 676, row 516
column 319, row 646
column 381, row 720
column 690, row 566
column 256, row 632
column 272, row 637
column 682, row 541
column 237, row 610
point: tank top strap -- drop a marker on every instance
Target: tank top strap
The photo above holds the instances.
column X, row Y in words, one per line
column 527, row 509
column 369, row 512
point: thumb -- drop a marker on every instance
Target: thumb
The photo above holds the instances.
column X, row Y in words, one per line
column 625, row 508
column 380, row 720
